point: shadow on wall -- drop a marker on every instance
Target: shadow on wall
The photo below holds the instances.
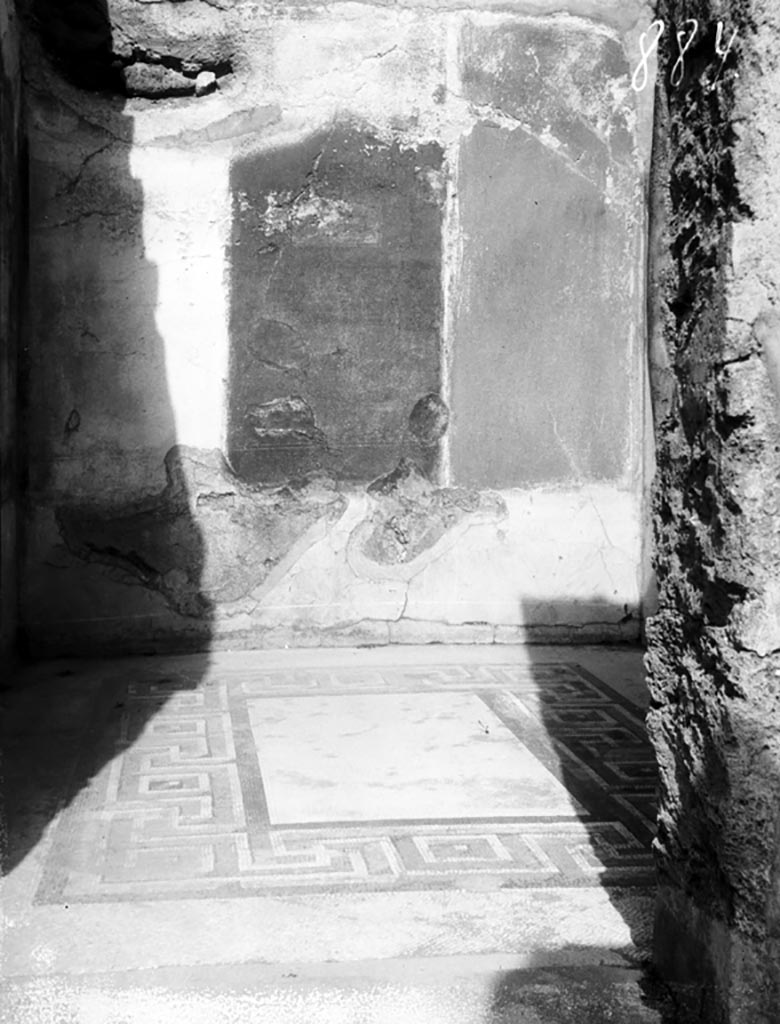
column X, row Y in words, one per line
column 39, row 781
column 96, row 348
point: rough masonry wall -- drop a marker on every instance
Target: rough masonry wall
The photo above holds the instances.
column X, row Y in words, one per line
column 714, row 647
column 12, row 258
column 336, row 323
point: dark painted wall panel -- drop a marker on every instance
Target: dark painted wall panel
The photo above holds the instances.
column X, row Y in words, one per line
column 540, row 379
column 541, row 375
column 335, row 305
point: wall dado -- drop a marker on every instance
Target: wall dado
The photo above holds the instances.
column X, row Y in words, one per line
column 337, row 326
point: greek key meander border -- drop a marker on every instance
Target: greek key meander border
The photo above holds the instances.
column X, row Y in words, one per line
column 259, row 833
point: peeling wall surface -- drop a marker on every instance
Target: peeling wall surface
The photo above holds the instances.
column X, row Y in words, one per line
column 12, row 247
column 714, row 647
column 336, row 323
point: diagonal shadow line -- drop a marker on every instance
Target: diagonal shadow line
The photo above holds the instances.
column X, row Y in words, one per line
column 568, row 995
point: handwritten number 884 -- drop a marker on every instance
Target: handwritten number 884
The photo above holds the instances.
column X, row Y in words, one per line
column 685, row 38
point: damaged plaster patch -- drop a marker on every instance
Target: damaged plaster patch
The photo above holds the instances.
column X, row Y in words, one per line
column 310, row 214
column 561, row 82
column 289, row 418
column 414, row 522
column 205, row 539
column 429, row 419
column 282, row 439
column 235, row 125
column 322, row 590
column 286, row 211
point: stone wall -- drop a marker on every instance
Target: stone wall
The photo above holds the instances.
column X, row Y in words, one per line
column 12, row 258
column 714, row 655
column 337, row 323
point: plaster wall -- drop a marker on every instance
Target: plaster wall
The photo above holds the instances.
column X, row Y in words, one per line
column 337, row 326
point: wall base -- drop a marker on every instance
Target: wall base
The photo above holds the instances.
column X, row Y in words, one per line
column 717, row 974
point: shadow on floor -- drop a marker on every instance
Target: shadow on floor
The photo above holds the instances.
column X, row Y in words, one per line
column 597, row 734
column 67, row 705
column 583, row 995
column 54, row 736
column 51, row 730
column 580, row 734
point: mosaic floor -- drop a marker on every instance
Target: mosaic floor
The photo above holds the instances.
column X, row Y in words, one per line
column 412, row 777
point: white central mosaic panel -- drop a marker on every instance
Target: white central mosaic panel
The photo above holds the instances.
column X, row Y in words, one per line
column 435, row 776
column 413, row 756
